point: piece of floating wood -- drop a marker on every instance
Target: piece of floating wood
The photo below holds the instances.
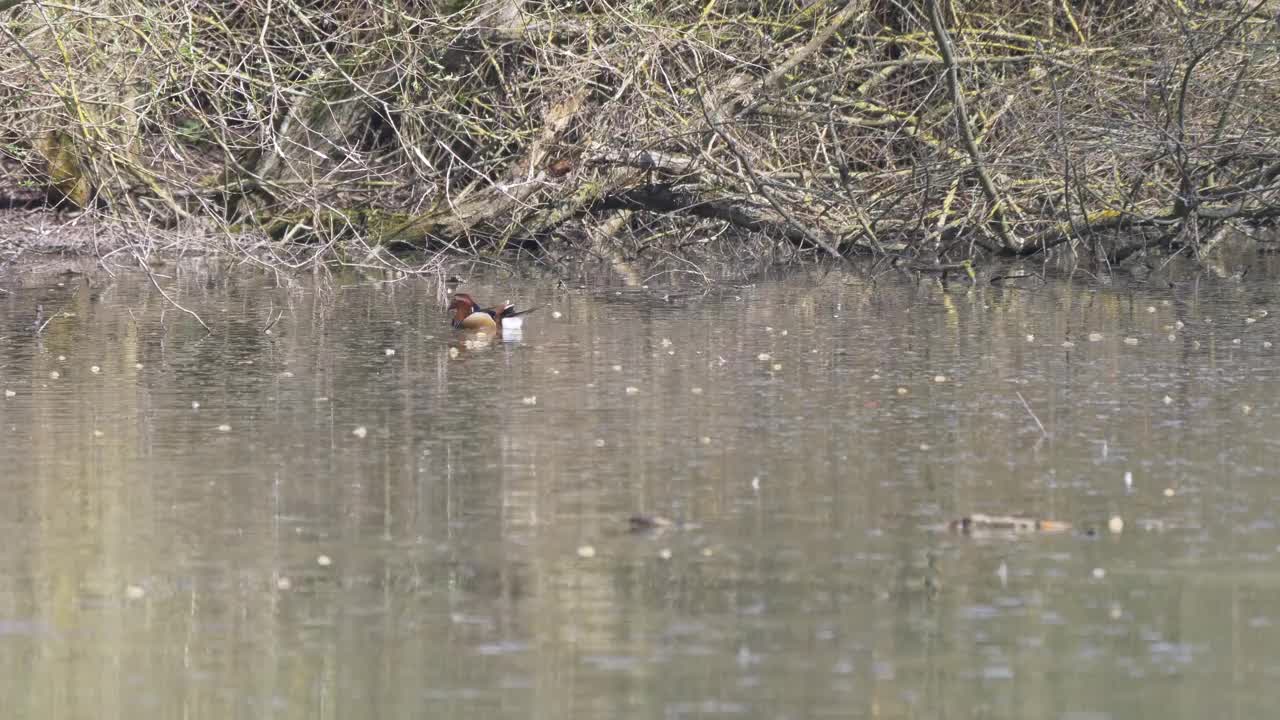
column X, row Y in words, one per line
column 970, row 524
column 646, row 523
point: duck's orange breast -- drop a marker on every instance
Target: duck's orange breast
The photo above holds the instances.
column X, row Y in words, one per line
column 478, row 321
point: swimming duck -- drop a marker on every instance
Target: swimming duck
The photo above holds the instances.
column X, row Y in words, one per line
column 468, row 315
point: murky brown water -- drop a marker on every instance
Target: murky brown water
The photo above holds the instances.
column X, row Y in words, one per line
column 468, row 557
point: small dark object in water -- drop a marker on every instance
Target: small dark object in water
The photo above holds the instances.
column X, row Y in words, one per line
column 978, row 524
column 645, row 523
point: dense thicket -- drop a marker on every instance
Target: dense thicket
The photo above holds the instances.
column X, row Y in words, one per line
column 935, row 129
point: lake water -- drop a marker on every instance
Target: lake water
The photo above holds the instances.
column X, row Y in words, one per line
column 363, row 514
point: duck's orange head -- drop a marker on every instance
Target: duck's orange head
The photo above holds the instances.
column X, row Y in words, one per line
column 462, row 306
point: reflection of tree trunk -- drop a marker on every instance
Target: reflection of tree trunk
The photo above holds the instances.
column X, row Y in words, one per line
column 604, row 243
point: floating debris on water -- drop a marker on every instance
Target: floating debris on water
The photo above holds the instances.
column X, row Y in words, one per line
column 1168, row 400
column 195, row 404
column 1246, row 408
column 586, row 551
column 1095, row 337
column 599, row 442
column 453, row 352
column 903, row 391
column 645, row 523
column 1031, row 338
column 666, row 342
column 1116, row 524
column 531, row 400
column 705, row 440
column 54, row 374
column 764, row 357
column 95, row 369
column 977, row 524
column 665, row 553
column 556, row 314
column 617, row 368
column 1151, row 308
column 134, row 592
column 389, row 352
column 632, row 390
column 98, row 433
column 10, row 393
column 695, row 390
column 224, row 428
column 1169, row 492
column 324, row 560
column 1099, row 573
column 1128, row 480
column 360, row 431
column 1131, row 341
column 776, row 367
column 1068, row 344
column 939, row 378
column 283, row 583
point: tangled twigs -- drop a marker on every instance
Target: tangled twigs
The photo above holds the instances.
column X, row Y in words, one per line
column 997, row 209
column 764, row 191
column 338, row 131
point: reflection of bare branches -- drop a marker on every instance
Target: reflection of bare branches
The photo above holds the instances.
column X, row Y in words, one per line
column 155, row 283
column 1025, row 405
